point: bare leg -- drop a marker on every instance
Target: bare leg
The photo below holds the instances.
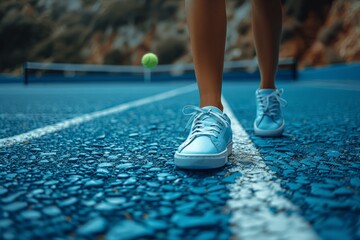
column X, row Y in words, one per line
column 207, row 28
column 267, row 23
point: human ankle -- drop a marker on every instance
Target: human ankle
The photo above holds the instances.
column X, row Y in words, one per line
column 267, row 85
column 218, row 105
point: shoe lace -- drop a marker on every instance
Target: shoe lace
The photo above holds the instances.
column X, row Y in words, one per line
column 269, row 103
column 201, row 127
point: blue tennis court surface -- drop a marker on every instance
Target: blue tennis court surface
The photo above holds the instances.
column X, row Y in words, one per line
column 113, row 177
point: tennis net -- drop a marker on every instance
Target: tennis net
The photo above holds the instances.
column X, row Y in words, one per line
column 65, row 72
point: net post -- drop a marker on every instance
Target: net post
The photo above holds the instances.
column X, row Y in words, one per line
column 147, row 75
column 25, row 74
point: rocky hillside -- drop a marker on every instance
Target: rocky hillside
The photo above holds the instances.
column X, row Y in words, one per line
column 119, row 32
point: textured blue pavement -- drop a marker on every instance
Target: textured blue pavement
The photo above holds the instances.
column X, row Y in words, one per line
column 24, row 108
column 318, row 158
column 114, row 177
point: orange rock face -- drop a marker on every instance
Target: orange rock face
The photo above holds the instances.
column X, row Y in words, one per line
column 333, row 41
column 316, row 33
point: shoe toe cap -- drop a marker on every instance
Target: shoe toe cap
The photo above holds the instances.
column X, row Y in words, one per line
column 200, row 145
column 267, row 123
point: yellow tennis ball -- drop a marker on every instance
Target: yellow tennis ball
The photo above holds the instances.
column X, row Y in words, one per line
column 149, row 60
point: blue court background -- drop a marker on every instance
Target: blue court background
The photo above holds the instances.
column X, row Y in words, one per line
column 71, row 183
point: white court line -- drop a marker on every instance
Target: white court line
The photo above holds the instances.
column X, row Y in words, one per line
column 256, row 191
column 36, row 133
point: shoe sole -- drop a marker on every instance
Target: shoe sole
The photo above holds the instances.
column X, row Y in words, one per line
column 269, row 133
column 203, row 161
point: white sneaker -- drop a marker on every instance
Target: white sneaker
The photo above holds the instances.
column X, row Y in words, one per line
column 209, row 142
column 269, row 120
